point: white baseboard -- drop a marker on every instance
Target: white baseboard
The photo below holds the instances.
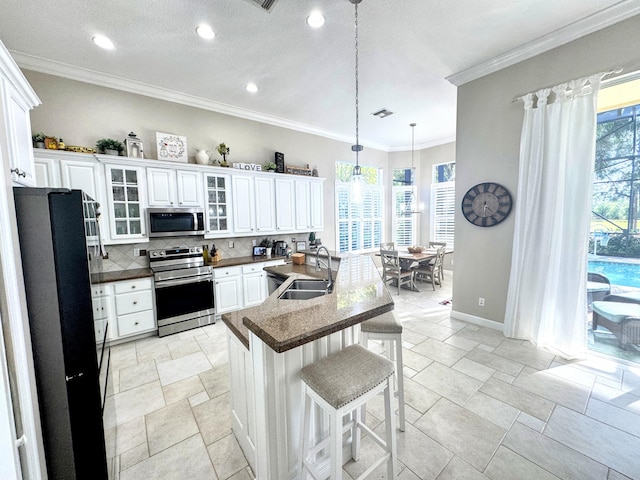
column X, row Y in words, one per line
column 483, row 322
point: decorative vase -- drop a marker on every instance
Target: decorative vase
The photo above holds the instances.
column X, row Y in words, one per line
column 202, row 157
column 108, row 151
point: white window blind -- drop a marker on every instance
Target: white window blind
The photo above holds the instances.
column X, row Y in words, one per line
column 359, row 224
column 404, row 231
column 443, row 201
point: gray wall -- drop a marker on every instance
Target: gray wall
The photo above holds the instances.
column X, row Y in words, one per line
column 81, row 113
column 488, row 139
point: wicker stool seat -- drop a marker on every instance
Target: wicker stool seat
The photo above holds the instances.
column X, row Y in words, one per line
column 340, row 384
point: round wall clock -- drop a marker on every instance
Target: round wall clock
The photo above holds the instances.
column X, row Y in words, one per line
column 486, row 204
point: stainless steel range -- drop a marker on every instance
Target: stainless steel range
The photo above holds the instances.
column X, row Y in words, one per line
column 184, row 289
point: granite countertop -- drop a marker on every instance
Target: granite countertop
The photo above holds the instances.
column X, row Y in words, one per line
column 120, row 275
column 235, row 261
column 135, row 273
column 358, row 294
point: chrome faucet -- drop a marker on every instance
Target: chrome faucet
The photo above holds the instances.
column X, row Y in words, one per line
column 327, row 265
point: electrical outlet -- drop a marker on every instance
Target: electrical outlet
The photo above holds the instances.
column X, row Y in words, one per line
column 481, row 301
column 230, row 243
column 293, row 240
column 136, row 252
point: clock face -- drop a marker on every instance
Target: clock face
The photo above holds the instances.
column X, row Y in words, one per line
column 486, row 204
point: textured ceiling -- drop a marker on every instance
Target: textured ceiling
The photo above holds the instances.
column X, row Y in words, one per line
column 305, row 76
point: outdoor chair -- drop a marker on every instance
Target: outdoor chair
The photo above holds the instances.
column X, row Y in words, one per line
column 621, row 318
column 599, row 288
column 392, row 271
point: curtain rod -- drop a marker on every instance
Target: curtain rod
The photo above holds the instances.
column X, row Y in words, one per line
column 604, row 74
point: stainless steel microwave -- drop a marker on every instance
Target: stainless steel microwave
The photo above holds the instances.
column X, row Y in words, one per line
column 175, row 222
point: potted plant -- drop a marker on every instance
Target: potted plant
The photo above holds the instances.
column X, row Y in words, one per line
column 38, row 139
column 270, row 167
column 109, row 146
column 267, row 242
column 224, row 151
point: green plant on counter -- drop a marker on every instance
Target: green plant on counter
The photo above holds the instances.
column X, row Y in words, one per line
column 270, row 166
column 38, row 137
column 105, row 144
column 266, row 242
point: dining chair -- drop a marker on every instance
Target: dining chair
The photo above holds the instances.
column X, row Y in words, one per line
column 432, row 271
column 392, row 270
column 439, row 245
column 388, row 246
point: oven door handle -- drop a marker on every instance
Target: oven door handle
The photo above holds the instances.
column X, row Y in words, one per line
column 182, row 281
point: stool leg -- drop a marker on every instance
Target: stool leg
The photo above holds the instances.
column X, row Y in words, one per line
column 356, row 433
column 390, row 429
column 365, row 344
column 304, row 434
column 400, row 377
column 335, row 449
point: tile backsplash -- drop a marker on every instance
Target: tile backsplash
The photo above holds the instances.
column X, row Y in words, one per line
column 122, row 257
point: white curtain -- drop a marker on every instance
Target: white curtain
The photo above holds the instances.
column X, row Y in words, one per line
column 546, row 302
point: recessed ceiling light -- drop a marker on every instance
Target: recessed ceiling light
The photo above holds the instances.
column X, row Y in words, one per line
column 251, row 87
column 103, row 42
column 315, row 19
column 205, row 31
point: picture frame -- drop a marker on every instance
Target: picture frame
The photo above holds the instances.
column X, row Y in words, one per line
column 302, row 245
column 172, row 147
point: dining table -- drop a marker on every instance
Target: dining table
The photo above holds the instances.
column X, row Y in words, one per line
column 410, row 260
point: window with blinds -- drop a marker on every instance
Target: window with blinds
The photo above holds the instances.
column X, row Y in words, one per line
column 443, row 201
column 359, row 226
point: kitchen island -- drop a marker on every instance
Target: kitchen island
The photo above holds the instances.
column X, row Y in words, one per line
column 270, row 343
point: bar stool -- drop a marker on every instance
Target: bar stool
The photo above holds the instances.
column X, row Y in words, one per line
column 340, row 384
column 385, row 327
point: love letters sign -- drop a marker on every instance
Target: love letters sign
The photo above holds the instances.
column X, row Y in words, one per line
column 248, row 166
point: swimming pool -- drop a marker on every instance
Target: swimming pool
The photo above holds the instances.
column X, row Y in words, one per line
column 625, row 274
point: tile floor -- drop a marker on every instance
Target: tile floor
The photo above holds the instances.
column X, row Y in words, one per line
column 478, row 406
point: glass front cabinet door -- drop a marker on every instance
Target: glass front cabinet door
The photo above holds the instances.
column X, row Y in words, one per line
column 126, row 203
column 218, row 207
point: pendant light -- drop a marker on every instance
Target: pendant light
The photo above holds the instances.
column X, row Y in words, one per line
column 412, row 206
column 356, row 176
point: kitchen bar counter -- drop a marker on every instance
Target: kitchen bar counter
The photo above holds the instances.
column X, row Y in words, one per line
column 270, row 343
column 358, row 294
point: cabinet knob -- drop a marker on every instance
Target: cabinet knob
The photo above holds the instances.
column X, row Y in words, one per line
column 133, row 286
column 135, row 302
column 136, row 323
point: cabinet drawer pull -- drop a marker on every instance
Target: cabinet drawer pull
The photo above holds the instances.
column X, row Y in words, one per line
column 18, row 172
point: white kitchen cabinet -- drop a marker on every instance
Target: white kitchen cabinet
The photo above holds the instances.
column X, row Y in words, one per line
column 134, row 307
column 316, row 205
column 303, row 210
column 47, row 170
column 228, row 289
column 174, row 188
column 285, row 193
column 17, row 98
column 217, row 205
column 253, row 205
column 125, row 196
column 254, row 284
column 103, row 318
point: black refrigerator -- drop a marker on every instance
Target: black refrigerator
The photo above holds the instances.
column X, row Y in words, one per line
column 59, row 244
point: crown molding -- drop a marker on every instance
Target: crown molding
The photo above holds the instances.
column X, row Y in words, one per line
column 71, row 72
column 597, row 21
column 15, row 77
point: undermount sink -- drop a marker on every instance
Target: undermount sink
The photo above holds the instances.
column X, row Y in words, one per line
column 304, row 289
column 308, row 285
column 301, row 294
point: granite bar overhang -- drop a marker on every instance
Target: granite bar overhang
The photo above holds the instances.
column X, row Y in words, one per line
column 358, row 294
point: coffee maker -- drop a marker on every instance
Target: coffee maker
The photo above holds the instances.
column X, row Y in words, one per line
column 281, row 248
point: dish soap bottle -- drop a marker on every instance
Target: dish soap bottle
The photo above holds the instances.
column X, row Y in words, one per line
column 205, row 253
